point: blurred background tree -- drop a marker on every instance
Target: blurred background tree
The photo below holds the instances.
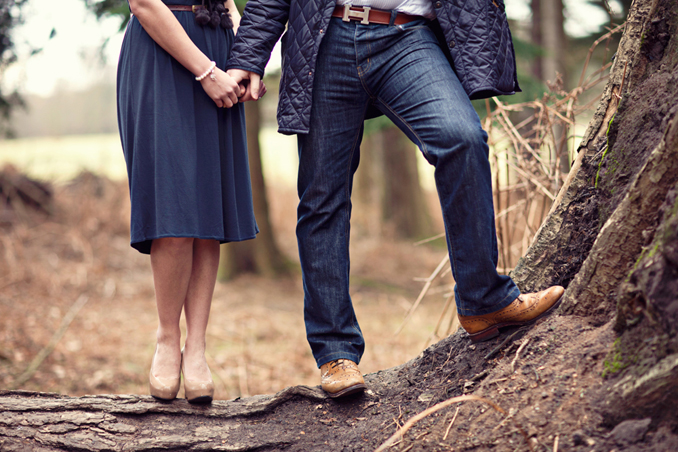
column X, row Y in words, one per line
column 107, row 8
column 10, row 17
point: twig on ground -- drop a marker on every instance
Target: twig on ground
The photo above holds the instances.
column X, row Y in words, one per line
column 399, row 434
column 49, row 348
column 480, row 376
column 512, row 413
column 451, row 423
column 520, row 349
column 504, row 342
column 555, row 444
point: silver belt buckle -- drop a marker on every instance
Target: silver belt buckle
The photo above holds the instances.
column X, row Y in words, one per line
column 356, row 15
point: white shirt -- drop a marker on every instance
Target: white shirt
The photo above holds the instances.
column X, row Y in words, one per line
column 412, row 7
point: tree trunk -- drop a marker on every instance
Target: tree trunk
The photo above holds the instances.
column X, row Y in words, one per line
column 611, row 239
column 554, row 40
column 260, row 256
column 404, row 206
column 368, row 186
column 537, row 39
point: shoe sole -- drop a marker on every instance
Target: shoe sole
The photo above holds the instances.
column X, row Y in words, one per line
column 493, row 331
column 360, row 387
column 162, row 399
column 202, row 400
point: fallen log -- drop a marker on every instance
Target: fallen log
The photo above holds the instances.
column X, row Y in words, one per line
column 18, row 193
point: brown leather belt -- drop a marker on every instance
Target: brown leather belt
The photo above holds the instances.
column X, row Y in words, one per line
column 367, row 15
column 190, row 8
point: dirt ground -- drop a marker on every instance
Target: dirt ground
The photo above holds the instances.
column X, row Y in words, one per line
column 548, row 379
column 256, row 338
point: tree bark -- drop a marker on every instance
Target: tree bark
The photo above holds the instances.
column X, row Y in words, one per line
column 298, row 418
column 612, row 239
column 260, row 256
column 563, row 243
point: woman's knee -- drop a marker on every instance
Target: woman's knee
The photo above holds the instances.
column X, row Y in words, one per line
column 173, row 245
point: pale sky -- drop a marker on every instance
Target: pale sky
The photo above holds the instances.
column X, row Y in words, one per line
column 71, row 58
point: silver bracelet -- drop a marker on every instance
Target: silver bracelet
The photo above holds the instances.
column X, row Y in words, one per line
column 209, row 72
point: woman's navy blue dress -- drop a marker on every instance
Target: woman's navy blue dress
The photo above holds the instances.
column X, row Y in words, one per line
column 186, row 158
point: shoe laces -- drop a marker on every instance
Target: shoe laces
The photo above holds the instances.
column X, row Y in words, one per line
column 339, row 363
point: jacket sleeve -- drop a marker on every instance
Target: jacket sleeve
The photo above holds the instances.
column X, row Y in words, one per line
column 262, row 24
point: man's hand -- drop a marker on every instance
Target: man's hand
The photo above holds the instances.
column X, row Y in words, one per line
column 222, row 89
column 251, row 86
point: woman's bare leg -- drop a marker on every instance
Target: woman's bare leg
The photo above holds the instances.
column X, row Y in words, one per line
column 172, row 264
column 197, row 307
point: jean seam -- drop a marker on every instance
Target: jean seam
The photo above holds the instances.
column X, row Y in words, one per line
column 453, row 262
column 362, row 71
column 348, row 184
column 422, row 145
column 354, row 324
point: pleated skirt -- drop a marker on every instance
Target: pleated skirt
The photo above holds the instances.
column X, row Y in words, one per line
column 186, row 159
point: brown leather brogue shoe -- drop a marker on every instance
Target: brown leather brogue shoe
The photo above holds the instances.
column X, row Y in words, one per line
column 341, row 377
column 525, row 309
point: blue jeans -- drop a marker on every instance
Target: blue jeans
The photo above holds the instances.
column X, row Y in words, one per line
column 402, row 71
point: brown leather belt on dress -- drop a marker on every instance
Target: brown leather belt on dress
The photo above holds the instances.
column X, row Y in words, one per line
column 190, row 8
column 367, row 15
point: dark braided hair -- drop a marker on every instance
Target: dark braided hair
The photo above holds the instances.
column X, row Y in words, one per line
column 214, row 15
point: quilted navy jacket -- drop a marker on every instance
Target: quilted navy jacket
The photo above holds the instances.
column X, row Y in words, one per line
column 475, row 32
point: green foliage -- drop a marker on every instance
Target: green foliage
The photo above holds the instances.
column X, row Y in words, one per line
column 120, row 8
column 607, row 149
column 10, row 17
column 110, row 8
column 240, row 4
column 614, row 363
column 526, row 54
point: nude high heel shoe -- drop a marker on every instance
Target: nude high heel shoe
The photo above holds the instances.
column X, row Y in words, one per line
column 162, row 388
column 197, row 391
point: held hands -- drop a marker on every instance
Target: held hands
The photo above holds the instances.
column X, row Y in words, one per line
column 221, row 88
column 251, row 86
column 228, row 88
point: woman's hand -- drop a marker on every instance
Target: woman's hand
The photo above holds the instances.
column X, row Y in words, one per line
column 164, row 28
column 251, row 85
column 223, row 90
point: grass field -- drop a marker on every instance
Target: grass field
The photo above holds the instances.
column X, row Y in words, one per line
column 60, row 159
